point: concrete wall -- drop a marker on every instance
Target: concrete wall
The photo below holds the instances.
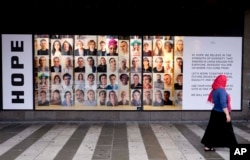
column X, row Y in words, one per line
column 144, row 115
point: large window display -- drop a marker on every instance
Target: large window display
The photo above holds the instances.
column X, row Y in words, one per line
column 86, row 72
column 112, row 72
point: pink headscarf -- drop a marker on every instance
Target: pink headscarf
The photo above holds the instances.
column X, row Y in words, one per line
column 220, row 82
column 113, row 43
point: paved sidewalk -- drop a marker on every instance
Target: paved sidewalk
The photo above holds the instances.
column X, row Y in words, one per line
column 110, row 141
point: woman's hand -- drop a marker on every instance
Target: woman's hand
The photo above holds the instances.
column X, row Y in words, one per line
column 228, row 117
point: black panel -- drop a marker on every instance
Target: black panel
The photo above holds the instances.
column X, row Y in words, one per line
column 192, row 17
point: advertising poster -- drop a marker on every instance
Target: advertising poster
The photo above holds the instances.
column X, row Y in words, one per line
column 114, row 72
column 17, row 72
column 206, row 58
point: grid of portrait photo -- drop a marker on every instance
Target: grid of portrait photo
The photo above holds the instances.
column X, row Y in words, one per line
column 162, row 70
column 107, row 71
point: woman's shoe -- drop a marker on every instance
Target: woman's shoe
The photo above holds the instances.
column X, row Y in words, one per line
column 209, row 149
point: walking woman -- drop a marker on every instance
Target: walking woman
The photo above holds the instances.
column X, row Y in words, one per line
column 219, row 131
